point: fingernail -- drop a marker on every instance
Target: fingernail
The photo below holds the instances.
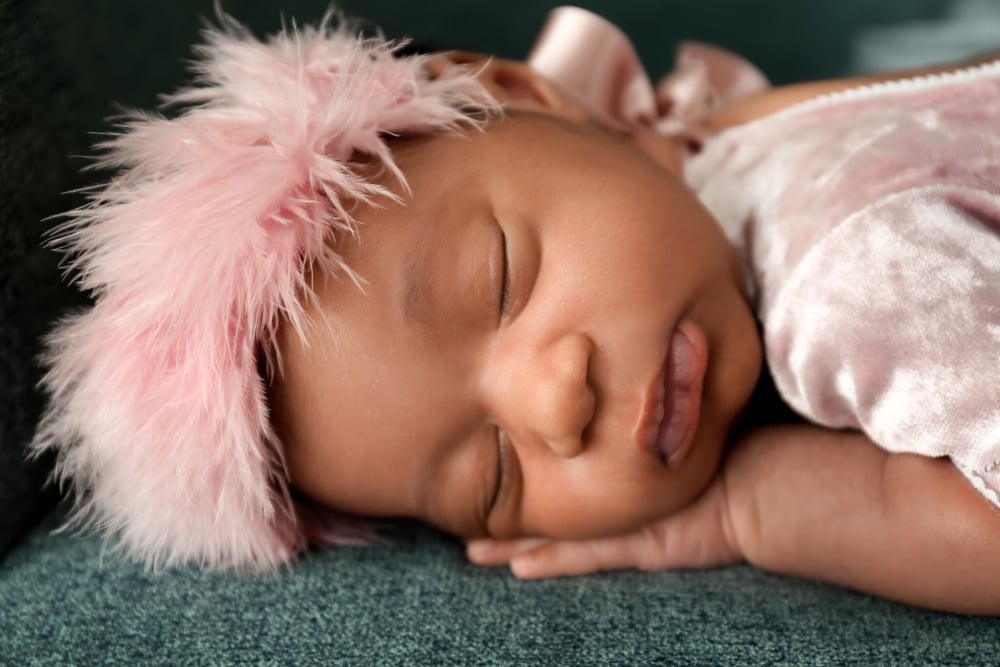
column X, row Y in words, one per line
column 520, row 567
column 476, row 550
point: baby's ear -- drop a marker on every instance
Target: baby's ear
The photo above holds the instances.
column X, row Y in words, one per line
column 510, row 82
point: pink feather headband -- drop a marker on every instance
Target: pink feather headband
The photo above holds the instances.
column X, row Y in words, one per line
column 193, row 251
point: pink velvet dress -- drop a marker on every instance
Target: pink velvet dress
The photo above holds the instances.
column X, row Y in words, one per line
column 867, row 222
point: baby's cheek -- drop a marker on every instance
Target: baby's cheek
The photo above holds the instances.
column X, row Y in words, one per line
column 606, row 505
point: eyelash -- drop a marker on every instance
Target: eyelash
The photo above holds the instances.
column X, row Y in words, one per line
column 505, row 278
column 501, row 478
column 502, row 446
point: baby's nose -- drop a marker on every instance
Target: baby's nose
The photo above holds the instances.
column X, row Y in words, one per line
column 548, row 398
column 566, row 436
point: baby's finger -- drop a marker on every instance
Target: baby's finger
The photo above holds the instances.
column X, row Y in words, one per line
column 491, row 552
column 561, row 559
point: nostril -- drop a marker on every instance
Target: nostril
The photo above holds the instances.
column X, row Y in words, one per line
column 590, row 411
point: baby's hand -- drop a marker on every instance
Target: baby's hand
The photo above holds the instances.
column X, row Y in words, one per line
column 810, row 502
column 700, row 535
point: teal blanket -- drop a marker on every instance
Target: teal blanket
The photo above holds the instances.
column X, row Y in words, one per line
column 415, row 601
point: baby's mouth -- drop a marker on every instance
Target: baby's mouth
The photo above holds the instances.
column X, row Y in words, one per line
column 672, row 407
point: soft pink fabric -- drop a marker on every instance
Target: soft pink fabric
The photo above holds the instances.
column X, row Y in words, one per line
column 593, row 61
column 869, row 225
column 193, row 252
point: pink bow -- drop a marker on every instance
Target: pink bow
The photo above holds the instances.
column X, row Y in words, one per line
column 597, row 65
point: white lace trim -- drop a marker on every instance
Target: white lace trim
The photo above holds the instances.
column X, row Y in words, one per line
column 862, row 91
column 980, row 484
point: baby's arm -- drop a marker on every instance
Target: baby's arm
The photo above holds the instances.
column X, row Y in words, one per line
column 822, row 504
column 832, row 506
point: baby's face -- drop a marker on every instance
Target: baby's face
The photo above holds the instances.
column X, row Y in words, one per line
column 552, row 341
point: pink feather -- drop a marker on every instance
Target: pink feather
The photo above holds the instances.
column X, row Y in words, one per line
column 193, row 252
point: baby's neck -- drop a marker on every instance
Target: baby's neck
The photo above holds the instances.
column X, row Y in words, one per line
column 765, row 406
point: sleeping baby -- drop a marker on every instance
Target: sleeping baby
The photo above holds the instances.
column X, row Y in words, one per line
column 529, row 304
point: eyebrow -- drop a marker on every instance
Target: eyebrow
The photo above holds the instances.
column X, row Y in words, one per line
column 414, row 293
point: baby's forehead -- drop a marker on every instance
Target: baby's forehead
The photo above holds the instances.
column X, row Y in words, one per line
column 500, row 130
column 446, row 176
column 435, row 165
column 447, row 179
column 444, row 172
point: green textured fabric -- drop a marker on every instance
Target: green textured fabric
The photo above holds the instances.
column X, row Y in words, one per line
column 415, row 601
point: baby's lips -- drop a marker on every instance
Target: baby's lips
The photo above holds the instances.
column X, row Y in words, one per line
column 689, row 361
